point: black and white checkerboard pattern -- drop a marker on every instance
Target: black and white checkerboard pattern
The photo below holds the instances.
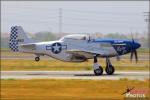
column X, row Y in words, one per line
column 13, row 43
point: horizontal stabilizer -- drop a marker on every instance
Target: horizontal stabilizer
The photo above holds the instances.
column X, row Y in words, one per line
column 28, row 46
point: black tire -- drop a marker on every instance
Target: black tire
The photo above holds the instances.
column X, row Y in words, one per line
column 109, row 70
column 99, row 71
column 37, row 58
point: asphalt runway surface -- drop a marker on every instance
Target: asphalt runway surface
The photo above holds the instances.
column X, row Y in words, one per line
column 140, row 75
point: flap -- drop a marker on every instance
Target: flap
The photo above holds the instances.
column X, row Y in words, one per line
column 87, row 54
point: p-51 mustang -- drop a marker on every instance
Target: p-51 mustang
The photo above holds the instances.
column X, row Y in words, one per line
column 74, row 48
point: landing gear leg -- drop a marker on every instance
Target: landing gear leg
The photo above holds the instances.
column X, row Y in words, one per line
column 109, row 67
column 98, row 70
column 37, row 58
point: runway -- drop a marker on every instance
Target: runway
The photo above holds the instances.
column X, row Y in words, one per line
column 142, row 75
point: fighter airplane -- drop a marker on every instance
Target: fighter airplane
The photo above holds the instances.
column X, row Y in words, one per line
column 74, row 48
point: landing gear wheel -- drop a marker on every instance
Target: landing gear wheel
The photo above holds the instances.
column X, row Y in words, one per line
column 109, row 70
column 98, row 71
column 37, row 58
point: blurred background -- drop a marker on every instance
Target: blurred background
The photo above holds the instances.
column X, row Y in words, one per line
column 46, row 21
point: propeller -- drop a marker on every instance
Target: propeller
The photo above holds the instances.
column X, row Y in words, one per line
column 133, row 51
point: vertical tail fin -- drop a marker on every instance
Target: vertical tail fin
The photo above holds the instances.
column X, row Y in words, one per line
column 17, row 37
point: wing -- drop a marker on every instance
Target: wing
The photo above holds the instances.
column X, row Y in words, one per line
column 28, row 46
column 84, row 53
column 105, row 50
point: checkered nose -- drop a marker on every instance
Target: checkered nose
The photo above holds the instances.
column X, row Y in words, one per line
column 13, row 43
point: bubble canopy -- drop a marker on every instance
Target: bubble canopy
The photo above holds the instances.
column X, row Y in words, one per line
column 76, row 37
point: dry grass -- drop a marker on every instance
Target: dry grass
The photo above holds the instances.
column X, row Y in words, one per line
column 67, row 89
column 14, row 54
column 59, row 65
column 51, row 64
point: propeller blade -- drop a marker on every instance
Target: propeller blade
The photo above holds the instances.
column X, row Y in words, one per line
column 133, row 52
column 132, row 37
column 136, row 57
column 131, row 56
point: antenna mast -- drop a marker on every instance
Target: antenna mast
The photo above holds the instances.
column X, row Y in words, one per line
column 60, row 20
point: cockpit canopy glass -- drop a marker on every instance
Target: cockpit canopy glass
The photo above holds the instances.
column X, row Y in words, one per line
column 75, row 37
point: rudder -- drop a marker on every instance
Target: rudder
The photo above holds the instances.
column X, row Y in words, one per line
column 17, row 37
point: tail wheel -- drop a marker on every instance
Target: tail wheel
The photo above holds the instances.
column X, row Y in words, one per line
column 37, row 58
column 98, row 71
column 110, row 69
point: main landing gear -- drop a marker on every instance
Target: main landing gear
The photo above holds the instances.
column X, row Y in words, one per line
column 109, row 67
column 98, row 70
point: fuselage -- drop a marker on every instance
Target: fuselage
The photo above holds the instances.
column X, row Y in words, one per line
column 58, row 49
